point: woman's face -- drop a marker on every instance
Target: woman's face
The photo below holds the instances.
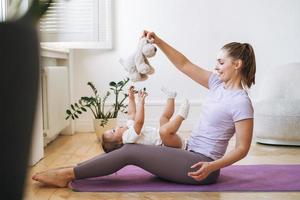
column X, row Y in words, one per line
column 225, row 66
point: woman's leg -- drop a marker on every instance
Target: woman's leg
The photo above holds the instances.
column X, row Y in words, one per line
column 59, row 177
column 154, row 159
column 167, row 163
column 100, row 165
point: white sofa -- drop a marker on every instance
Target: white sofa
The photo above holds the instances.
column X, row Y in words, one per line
column 277, row 107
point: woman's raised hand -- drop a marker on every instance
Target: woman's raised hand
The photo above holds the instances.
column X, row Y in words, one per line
column 151, row 36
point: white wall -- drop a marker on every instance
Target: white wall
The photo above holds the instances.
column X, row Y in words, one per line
column 198, row 28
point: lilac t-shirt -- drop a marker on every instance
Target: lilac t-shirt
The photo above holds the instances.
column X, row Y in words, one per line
column 220, row 110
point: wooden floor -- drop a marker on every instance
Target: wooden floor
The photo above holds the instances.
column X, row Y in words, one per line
column 68, row 150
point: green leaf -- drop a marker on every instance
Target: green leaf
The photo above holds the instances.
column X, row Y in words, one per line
column 84, row 98
column 96, row 104
column 112, row 84
column 93, row 87
column 67, row 117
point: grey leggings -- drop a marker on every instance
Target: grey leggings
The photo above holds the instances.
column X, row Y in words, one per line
column 171, row 164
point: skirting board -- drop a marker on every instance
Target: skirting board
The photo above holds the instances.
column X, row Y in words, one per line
column 153, row 110
column 87, row 126
column 277, row 141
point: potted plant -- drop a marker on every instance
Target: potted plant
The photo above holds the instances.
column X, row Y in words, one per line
column 104, row 118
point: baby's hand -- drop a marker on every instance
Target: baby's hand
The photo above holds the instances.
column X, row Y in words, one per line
column 131, row 92
column 142, row 94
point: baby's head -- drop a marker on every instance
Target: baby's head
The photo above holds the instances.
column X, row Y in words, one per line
column 112, row 139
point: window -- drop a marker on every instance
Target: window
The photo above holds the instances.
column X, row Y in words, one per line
column 77, row 24
column 12, row 9
column 2, row 10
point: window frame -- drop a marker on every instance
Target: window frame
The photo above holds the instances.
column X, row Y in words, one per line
column 106, row 44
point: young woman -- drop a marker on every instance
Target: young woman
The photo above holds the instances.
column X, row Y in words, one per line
column 227, row 110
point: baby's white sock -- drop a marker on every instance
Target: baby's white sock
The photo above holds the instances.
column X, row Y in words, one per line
column 184, row 108
column 169, row 94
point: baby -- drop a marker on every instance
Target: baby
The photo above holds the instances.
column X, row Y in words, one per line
column 135, row 132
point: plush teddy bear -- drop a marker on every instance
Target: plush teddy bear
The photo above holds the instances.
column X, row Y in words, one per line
column 137, row 65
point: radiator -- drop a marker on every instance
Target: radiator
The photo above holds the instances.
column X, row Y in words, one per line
column 55, row 101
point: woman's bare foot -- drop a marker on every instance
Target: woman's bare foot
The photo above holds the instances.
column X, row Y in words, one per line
column 57, row 177
column 69, row 166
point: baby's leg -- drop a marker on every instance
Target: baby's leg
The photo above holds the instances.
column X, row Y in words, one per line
column 169, row 109
column 168, row 112
column 169, row 129
column 168, row 133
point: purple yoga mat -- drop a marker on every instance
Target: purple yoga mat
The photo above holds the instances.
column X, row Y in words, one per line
column 233, row 178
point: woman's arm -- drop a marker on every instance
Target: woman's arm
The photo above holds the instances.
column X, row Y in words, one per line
column 244, row 131
column 193, row 71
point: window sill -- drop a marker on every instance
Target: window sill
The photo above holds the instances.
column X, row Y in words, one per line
column 65, row 46
column 52, row 51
